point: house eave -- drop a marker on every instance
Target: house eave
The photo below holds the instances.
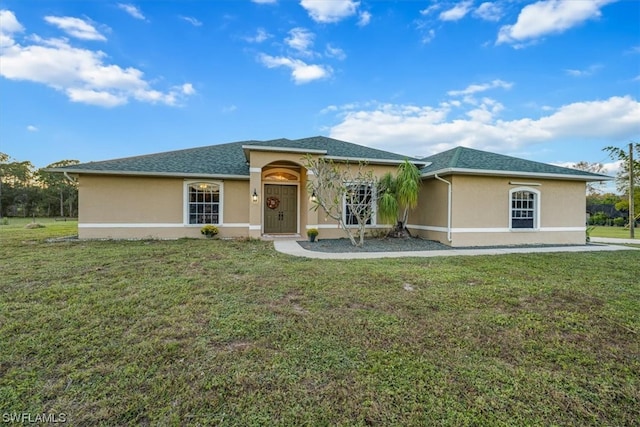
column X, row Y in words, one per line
column 150, row 174
column 484, row 172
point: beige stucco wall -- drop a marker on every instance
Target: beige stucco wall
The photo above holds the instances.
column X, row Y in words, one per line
column 116, row 199
column 431, row 210
column 147, row 207
column 484, row 201
column 237, row 196
column 480, row 211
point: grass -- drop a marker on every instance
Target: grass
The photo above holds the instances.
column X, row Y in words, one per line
column 232, row 333
column 615, row 232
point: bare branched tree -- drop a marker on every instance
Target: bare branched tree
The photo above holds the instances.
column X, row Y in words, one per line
column 346, row 193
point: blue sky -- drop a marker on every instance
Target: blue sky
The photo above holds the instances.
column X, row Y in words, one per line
column 552, row 80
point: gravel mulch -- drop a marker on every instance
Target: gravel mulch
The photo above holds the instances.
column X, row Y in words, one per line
column 395, row 245
column 375, row 245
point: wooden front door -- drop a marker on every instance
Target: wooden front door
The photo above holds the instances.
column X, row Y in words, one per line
column 280, row 209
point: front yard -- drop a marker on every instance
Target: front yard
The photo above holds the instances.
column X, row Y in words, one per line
column 232, row 333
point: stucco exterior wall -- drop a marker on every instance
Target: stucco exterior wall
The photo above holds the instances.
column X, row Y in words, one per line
column 431, row 212
column 480, row 211
column 128, row 200
column 126, row 207
column 237, row 196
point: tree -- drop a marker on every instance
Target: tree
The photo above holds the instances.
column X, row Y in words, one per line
column 398, row 194
column 623, row 204
column 16, row 182
column 592, row 187
column 4, row 159
column 57, row 186
column 346, row 193
column 622, row 179
column 630, row 172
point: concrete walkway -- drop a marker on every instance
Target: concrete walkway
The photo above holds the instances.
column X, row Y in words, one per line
column 615, row 241
column 291, row 247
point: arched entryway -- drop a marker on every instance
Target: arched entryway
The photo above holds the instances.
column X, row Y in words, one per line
column 281, row 188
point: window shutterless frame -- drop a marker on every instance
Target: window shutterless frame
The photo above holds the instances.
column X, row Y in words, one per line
column 203, row 202
column 365, row 196
column 524, row 209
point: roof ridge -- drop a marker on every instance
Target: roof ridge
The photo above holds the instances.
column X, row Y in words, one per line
column 456, row 156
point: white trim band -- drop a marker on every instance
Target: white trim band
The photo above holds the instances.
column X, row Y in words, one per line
column 156, row 225
column 496, row 229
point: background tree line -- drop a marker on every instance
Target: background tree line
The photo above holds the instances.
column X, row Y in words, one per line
column 609, row 208
column 26, row 191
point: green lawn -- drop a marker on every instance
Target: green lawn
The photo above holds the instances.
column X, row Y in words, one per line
column 616, row 232
column 232, row 333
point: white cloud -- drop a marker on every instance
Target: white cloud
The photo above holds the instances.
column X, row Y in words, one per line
column 327, row 11
column 365, row 19
column 428, row 36
column 549, row 17
column 95, row 97
column 589, row 71
column 430, row 9
column 475, row 88
column 300, row 39
column 187, row 89
column 191, row 20
column 32, row 128
column 9, row 27
column 424, row 130
column 488, row 11
column 75, row 27
column 301, row 72
column 335, row 52
column 82, row 74
column 457, row 12
column 132, row 10
column 261, row 35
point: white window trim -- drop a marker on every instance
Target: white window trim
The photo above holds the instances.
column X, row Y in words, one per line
column 374, row 202
column 536, row 210
column 185, row 201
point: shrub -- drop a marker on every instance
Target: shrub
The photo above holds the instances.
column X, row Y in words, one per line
column 209, row 230
column 312, row 232
column 599, row 218
column 619, row 222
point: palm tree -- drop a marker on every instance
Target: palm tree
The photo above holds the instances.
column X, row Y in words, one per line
column 397, row 195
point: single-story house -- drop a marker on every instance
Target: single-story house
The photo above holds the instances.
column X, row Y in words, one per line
column 253, row 189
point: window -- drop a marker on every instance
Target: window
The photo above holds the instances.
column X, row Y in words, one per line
column 524, row 209
column 203, row 203
column 359, row 203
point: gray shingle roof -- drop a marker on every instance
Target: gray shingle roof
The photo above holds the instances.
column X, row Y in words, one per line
column 225, row 159
column 229, row 160
column 469, row 160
